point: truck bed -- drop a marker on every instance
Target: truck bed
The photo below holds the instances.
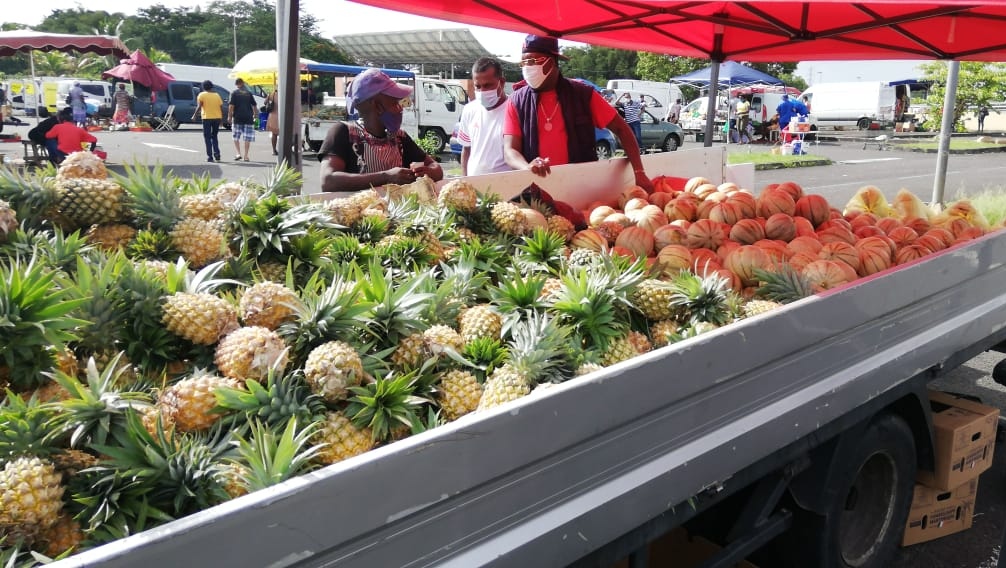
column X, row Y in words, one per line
column 552, row 477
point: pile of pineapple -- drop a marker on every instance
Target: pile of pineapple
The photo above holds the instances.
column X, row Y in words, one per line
column 170, row 344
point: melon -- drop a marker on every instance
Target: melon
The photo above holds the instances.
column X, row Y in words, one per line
column 534, row 219
column 623, row 251
column 589, row 239
column 681, row 208
column 780, row 226
column 881, row 244
column 636, row 239
column 746, row 204
column 669, row 235
column 826, row 274
column 706, row 233
column 801, row 259
column 650, row 218
column 806, row 244
column 956, row 226
column 814, row 208
column 726, row 248
column 868, row 231
column 917, row 224
column 933, row 243
column 903, row 236
column 695, row 182
column 619, row 218
column 634, row 204
column 705, row 190
column 840, row 251
column 862, row 220
column 775, row 249
column 598, row 214
column 804, row 228
column 835, row 222
column 872, row 261
column 704, row 259
column 772, row 201
column 732, row 279
column 910, row 253
column 631, row 192
column 745, row 260
column 792, row 188
column 674, row 258
column 724, row 212
column 747, row 231
column 661, row 199
column 888, row 224
column 727, row 187
column 836, row 233
column 944, row 235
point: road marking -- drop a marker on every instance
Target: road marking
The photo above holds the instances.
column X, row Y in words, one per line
column 867, row 161
column 170, row 147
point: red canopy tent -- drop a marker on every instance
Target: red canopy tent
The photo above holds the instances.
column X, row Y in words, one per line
column 15, row 41
column 755, row 30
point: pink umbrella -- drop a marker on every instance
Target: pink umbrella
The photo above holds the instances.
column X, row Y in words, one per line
column 140, row 69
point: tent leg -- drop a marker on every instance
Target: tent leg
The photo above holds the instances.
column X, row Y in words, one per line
column 713, row 92
column 946, row 129
column 288, row 46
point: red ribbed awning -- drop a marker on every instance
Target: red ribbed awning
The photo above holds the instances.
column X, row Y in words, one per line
column 15, row 41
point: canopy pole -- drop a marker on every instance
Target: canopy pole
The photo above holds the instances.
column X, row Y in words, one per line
column 946, row 129
column 34, row 88
column 288, row 47
column 713, row 93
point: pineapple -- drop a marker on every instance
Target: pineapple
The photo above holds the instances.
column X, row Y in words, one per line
column 111, row 237
column 640, row 342
column 284, row 397
column 610, row 231
column 272, row 271
column 232, row 477
column 31, row 200
column 480, row 321
column 387, row 406
column 206, row 206
column 83, row 164
column 653, row 299
column 91, row 201
column 458, row 393
column 664, row 332
column 271, row 457
column 31, row 497
column 587, row 368
column 410, row 352
column 200, row 242
column 340, row 439
column 783, row 284
column 538, row 353
column 8, row 220
column 541, row 251
column 188, row 404
column 332, row 368
column 458, row 195
column 63, row 536
column 230, row 193
column 561, row 226
column 755, row 307
column 250, row 353
column 508, row 219
column 193, row 312
column 440, row 338
column 618, row 350
column 268, row 305
column 583, row 257
column 703, row 299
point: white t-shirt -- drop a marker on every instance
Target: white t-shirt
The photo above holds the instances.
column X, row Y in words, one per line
column 482, row 131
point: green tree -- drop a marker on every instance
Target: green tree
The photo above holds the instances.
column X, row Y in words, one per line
column 598, row 64
column 978, row 84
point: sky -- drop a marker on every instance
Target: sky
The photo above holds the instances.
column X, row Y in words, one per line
column 340, row 17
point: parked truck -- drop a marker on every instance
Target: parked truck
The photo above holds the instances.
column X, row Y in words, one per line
column 808, row 423
column 864, row 104
column 657, row 95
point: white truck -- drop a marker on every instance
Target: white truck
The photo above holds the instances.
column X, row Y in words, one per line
column 863, row 104
column 658, row 95
column 434, row 109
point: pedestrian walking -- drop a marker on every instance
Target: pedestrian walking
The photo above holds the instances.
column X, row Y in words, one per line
column 211, row 106
column 633, row 116
column 242, row 112
column 982, row 113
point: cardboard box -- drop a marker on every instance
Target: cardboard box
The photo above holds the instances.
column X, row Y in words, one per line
column 936, row 513
column 965, row 434
column 680, row 550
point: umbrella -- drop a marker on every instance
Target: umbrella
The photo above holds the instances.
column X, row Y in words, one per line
column 262, row 67
column 140, row 69
column 755, row 30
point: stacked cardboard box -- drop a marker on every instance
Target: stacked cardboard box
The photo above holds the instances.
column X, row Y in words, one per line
column 682, row 550
column 944, row 499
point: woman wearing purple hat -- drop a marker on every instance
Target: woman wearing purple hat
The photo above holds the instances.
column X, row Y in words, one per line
column 373, row 150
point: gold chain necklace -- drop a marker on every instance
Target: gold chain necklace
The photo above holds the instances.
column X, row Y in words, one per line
column 548, row 119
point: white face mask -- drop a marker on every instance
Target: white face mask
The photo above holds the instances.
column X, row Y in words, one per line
column 534, row 75
column 489, row 99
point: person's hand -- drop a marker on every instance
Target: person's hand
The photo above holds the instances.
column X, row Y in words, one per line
column 419, row 168
column 643, row 181
column 540, row 167
column 401, row 175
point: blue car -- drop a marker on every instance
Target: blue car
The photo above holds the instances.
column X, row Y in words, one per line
column 604, row 143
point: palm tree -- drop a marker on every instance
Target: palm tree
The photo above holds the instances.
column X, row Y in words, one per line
column 52, row 63
column 158, row 56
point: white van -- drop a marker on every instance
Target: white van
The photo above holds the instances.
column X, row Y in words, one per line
column 434, row 109
column 865, row 104
column 101, row 91
column 657, row 95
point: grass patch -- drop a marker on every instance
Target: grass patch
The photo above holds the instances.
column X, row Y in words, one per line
column 757, row 158
column 955, row 144
column 991, row 203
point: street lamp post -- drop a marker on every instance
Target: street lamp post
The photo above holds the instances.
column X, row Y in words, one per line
column 234, row 27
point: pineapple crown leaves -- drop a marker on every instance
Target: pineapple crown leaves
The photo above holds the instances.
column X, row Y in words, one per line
column 273, row 458
column 113, row 505
column 35, row 318
column 181, row 279
column 152, row 244
column 95, row 410
column 704, row 298
column 539, row 349
column 586, row 303
column 94, row 283
column 266, row 225
column 196, row 185
column 283, row 180
column 403, row 253
column 385, row 405
column 154, row 197
column 177, row 471
column 397, row 307
column 345, row 249
column 25, row 427
column 516, row 295
column 370, row 228
column 483, row 355
column 782, row 284
column 541, row 251
column 281, row 399
column 30, row 196
column 432, row 419
column 453, row 287
column 328, row 312
column 480, row 220
column 62, row 251
column 489, row 256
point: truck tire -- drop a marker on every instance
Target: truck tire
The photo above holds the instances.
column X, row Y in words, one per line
column 438, row 137
column 872, row 491
column 864, row 124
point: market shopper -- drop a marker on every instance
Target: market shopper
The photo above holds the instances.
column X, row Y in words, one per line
column 551, row 121
column 743, row 119
column 211, row 106
column 373, row 150
column 633, row 115
column 77, row 104
column 122, row 100
column 241, row 109
column 481, row 128
column 674, row 112
column 69, row 137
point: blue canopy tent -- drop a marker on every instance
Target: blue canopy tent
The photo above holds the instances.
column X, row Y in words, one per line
column 731, row 74
column 355, row 70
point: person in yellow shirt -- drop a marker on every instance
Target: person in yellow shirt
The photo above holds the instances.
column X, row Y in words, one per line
column 743, row 119
column 212, row 106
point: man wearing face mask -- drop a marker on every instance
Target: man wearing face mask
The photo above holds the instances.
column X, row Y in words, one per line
column 373, row 150
column 552, row 122
column 481, row 130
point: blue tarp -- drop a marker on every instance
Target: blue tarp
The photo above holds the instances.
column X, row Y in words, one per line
column 355, row 70
column 732, row 74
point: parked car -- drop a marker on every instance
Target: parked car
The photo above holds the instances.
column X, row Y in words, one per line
column 604, row 143
column 179, row 94
column 658, row 134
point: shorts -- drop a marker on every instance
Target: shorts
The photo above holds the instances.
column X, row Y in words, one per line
column 244, row 132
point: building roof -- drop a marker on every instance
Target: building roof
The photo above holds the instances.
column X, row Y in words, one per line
column 415, row 47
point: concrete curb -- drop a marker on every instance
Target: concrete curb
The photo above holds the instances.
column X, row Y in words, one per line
column 802, row 164
column 970, row 151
